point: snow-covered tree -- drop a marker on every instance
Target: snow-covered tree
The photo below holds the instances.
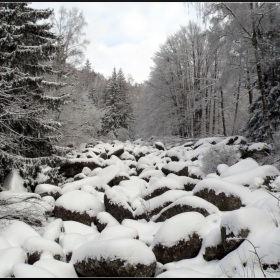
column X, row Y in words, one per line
column 26, row 46
column 113, row 118
column 125, row 103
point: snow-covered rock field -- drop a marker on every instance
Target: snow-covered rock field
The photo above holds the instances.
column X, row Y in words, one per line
column 146, row 209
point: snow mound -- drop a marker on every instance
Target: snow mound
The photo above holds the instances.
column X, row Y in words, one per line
column 247, row 177
column 253, row 219
column 55, row 230
column 72, row 241
column 57, row 268
column 117, row 231
column 158, row 201
column 17, row 232
column 173, row 229
column 221, row 186
column 76, row 227
column 76, row 185
column 169, row 183
column 80, row 201
column 23, row 270
column 192, row 201
column 46, row 188
column 9, row 257
column 146, row 230
column 241, row 166
column 131, row 250
column 183, row 273
column 48, row 248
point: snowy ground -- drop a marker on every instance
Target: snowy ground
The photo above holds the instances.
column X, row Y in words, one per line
column 147, row 205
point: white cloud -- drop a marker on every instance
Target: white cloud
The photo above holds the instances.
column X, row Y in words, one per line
column 126, row 35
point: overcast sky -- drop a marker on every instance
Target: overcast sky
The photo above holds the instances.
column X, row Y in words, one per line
column 126, row 35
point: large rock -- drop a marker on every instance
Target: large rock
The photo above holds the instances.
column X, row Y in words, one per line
column 116, row 151
column 258, row 150
column 48, row 190
column 161, row 186
column 186, row 204
column 178, row 168
column 176, row 240
column 212, row 246
column 222, row 194
column 71, row 242
column 237, row 225
column 148, row 209
column 105, row 219
column 116, row 205
column 78, row 206
column 75, row 166
column 159, row 146
column 119, row 257
column 36, row 246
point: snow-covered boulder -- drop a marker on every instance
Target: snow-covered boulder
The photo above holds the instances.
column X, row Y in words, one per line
column 76, row 227
column 212, row 247
column 55, row 230
column 4, row 243
column 79, row 176
column 239, row 167
column 173, row 154
column 186, row 204
column 57, row 268
column 161, row 186
column 195, row 172
column 78, row 206
column 183, row 272
column 9, row 257
column 119, row 257
column 37, row 247
column 159, row 145
column 258, row 150
column 16, row 232
column 238, row 224
column 23, row 270
column 117, row 231
column 139, row 152
column 178, row 168
column 117, row 206
column 116, row 151
column 146, row 230
column 177, row 240
column 75, row 166
column 147, row 209
column 220, row 193
column 48, row 190
column 189, row 183
column 147, row 175
column 105, row 219
column 71, row 242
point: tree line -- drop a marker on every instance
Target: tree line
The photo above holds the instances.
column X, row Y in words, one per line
column 219, row 79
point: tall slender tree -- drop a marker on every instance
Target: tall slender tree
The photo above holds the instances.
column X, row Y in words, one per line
column 112, row 119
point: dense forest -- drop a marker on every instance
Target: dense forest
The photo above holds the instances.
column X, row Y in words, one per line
column 220, row 78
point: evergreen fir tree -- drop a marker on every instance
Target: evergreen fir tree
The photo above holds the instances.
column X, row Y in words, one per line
column 25, row 49
column 125, row 104
column 112, row 119
column 255, row 128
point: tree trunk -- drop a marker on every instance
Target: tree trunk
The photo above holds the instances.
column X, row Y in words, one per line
column 222, row 112
column 260, row 77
